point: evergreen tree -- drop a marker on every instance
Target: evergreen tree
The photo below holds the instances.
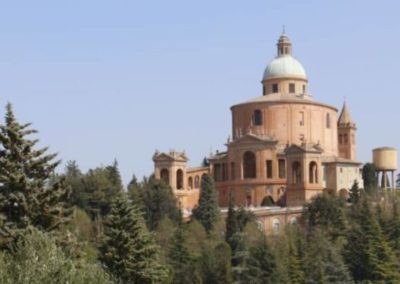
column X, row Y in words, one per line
column 158, row 202
column 231, row 223
column 294, row 261
column 240, row 258
column 215, row 263
column 323, row 262
column 367, row 253
column 261, row 263
column 128, row 250
column 134, row 192
column 326, row 212
column 207, row 212
column 73, row 179
column 393, row 227
column 26, row 197
column 355, row 193
column 181, row 260
column 369, row 178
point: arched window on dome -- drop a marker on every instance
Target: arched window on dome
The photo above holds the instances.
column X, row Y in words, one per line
column 328, row 120
column 257, row 116
column 313, row 172
column 249, row 165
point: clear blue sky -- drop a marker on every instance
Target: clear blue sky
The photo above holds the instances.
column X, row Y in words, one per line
column 118, row 79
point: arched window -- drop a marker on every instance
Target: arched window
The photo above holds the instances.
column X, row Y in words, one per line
column 257, row 117
column 296, row 173
column 190, row 182
column 179, row 179
column 276, row 226
column 196, row 182
column 293, row 221
column 164, row 174
column 313, row 172
column 249, row 165
column 328, row 120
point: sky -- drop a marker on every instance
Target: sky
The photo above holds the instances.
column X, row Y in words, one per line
column 104, row 80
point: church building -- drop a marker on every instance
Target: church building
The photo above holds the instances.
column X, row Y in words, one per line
column 285, row 146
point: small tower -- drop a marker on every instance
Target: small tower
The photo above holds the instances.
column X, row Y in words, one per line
column 304, row 168
column 284, row 45
column 346, row 135
column 171, row 167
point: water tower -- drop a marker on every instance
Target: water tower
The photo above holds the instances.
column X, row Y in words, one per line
column 385, row 160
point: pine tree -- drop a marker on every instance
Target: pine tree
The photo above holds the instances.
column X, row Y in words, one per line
column 128, row 250
column 26, row 197
column 158, row 202
column 355, row 193
column 261, row 263
column 367, row 253
column 180, row 258
column 323, row 262
column 231, row 223
column 207, row 212
column 215, row 263
column 369, row 178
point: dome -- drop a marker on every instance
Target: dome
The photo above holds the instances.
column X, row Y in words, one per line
column 284, row 66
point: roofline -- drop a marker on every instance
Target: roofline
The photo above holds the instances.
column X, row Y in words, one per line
column 285, row 101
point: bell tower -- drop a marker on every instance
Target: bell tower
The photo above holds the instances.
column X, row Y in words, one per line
column 346, row 135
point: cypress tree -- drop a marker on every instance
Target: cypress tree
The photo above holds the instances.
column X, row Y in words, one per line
column 355, row 193
column 231, row 223
column 207, row 212
column 369, row 178
column 128, row 250
column 26, row 197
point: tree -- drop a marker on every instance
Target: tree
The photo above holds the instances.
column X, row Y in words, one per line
column 207, row 212
column 326, row 212
column 158, row 202
column 26, row 197
column 355, row 193
column 181, row 260
column 231, row 223
column 73, row 178
column 369, row 178
column 215, row 263
column 128, row 250
column 323, row 262
column 205, row 162
column 37, row 259
column 366, row 252
column 261, row 263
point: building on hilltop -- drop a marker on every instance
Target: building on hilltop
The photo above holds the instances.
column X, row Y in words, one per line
column 286, row 147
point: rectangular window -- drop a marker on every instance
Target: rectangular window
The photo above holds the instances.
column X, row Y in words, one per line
column 269, row 168
column 224, row 177
column 345, row 139
column 340, row 139
column 301, row 118
column 275, row 88
column 232, row 170
column 304, row 89
column 282, row 168
column 217, row 172
column 291, row 88
column 263, row 90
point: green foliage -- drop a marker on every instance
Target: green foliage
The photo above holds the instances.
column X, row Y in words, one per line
column 26, row 197
column 326, row 212
column 128, row 249
column 182, row 262
column 231, row 223
column 158, row 202
column 369, row 178
column 261, row 263
column 367, row 253
column 215, row 263
column 37, row 259
column 207, row 212
column 355, row 193
column 323, row 262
